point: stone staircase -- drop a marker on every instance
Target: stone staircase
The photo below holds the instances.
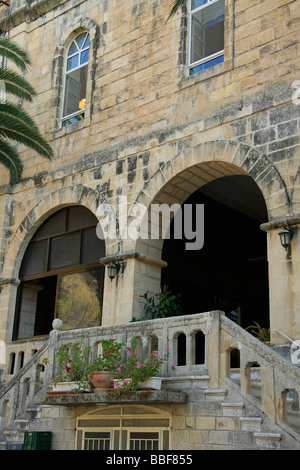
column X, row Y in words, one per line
column 254, row 406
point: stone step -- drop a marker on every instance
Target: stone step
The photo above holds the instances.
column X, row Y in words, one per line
column 267, row 440
column 250, row 423
column 232, row 409
column 215, row 394
column 190, row 382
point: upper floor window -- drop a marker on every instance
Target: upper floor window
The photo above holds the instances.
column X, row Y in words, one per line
column 76, row 80
column 206, row 29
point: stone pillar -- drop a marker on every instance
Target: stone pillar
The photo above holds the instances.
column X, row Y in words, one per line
column 123, row 296
column 284, row 283
column 8, row 294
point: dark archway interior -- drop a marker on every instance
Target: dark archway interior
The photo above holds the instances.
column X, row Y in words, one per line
column 230, row 272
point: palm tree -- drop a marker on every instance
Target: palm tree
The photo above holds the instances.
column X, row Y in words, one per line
column 176, row 5
column 16, row 126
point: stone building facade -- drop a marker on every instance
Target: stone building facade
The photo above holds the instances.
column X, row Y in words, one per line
column 154, row 124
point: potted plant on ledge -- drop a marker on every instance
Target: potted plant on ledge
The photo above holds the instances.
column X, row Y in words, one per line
column 138, row 374
column 72, row 361
column 104, row 367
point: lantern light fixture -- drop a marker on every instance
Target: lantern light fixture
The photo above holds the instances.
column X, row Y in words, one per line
column 112, row 270
column 285, row 237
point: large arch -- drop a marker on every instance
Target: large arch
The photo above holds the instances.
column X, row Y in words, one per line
column 196, row 165
column 16, row 246
column 178, row 179
column 52, row 202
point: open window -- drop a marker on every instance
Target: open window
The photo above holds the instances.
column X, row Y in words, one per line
column 60, row 275
column 76, row 80
column 206, row 34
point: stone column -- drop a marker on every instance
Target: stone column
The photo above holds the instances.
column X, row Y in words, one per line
column 284, row 282
column 123, row 296
column 8, row 294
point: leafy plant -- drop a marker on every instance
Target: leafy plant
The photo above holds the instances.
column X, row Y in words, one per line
column 263, row 334
column 176, row 5
column 16, row 126
column 72, row 363
column 164, row 304
column 110, row 358
column 135, row 370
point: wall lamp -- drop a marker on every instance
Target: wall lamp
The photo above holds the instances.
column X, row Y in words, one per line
column 112, row 270
column 285, row 237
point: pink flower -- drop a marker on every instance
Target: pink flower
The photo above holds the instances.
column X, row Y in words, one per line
column 128, row 348
column 111, row 379
column 167, row 349
column 138, row 366
column 172, row 365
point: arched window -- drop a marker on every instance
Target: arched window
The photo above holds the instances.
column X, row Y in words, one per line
column 76, row 80
column 60, row 275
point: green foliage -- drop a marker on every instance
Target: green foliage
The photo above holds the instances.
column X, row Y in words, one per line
column 16, row 125
column 164, row 304
column 176, row 5
column 135, row 370
column 263, row 334
column 110, row 358
column 72, row 361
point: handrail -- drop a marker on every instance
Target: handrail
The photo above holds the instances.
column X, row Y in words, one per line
column 283, row 334
column 221, row 336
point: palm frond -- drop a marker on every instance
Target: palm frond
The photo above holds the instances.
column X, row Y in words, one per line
column 16, row 84
column 177, row 4
column 8, row 109
column 13, row 52
column 15, row 123
column 10, row 159
column 14, row 127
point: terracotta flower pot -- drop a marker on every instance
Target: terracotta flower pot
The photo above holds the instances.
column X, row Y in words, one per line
column 101, row 380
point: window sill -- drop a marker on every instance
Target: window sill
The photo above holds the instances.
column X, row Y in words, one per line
column 189, row 80
column 75, row 126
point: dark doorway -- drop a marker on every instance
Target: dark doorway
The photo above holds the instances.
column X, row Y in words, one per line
column 230, row 272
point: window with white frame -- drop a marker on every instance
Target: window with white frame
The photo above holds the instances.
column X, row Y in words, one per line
column 123, row 427
column 206, row 34
column 76, row 80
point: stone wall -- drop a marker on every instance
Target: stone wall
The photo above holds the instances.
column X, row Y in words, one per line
column 147, row 122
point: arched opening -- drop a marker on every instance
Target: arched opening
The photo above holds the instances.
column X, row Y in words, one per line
column 60, row 275
column 230, row 271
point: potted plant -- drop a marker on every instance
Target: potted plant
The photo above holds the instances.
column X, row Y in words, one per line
column 104, row 367
column 164, row 304
column 72, row 361
column 263, row 334
column 135, row 372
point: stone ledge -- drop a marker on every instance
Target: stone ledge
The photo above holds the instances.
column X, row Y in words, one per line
column 143, row 396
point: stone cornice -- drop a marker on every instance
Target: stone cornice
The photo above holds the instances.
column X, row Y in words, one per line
column 125, row 255
column 280, row 222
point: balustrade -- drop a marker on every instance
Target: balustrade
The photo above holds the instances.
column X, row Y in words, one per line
column 206, row 345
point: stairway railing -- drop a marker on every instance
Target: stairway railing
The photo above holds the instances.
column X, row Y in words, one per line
column 183, row 336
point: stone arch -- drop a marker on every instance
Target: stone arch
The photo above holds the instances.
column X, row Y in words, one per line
column 210, row 160
column 176, row 180
column 70, row 195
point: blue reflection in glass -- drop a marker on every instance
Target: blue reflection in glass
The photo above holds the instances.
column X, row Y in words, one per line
column 206, row 65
